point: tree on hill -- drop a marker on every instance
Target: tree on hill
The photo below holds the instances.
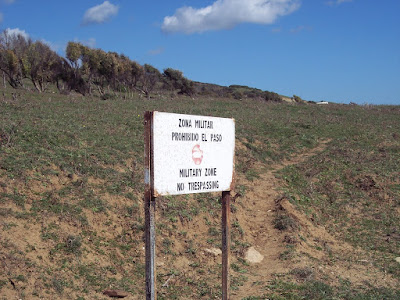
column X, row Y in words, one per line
column 62, row 74
column 271, row 96
column 124, row 71
column 297, row 99
column 175, row 79
column 41, row 65
column 151, row 76
column 73, row 53
column 137, row 72
column 13, row 49
column 9, row 66
column 90, row 65
column 74, row 79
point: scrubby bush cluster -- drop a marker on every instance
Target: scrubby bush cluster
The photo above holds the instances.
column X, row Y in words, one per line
column 242, row 91
column 238, row 92
column 83, row 70
column 86, row 70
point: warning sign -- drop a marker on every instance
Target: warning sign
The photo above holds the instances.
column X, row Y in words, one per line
column 192, row 154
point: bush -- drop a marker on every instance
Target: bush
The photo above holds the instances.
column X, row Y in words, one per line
column 297, row 99
column 271, row 96
column 285, row 222
column 73, row 243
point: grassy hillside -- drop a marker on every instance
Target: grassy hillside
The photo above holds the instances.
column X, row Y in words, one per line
column 71, row 211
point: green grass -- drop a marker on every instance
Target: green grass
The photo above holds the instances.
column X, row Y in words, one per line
column 350, row 188
column 317, row 290
column 74, row 166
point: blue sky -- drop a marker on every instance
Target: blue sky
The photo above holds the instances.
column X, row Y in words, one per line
column 334, row 50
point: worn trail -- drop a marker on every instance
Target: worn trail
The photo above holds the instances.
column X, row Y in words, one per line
column 257, row 223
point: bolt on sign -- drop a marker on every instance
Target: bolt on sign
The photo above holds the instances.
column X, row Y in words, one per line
column 192, row 154
column 187, row 154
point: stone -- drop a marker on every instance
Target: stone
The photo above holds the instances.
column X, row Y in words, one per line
column 253, row 256
column 214, row 251
column 115, row 293
column 397, row 259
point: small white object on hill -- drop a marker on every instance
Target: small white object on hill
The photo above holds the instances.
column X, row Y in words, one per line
column 214, row 251
column 253, row 256
column 323, row 103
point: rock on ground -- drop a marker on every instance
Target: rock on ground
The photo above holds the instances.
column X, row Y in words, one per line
column 253, row 256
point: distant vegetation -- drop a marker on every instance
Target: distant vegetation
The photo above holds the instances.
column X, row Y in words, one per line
column 91, row 71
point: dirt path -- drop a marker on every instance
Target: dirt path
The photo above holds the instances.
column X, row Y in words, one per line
column 257, row 223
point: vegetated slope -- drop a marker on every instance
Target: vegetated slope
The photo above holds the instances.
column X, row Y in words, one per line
column 317, row 194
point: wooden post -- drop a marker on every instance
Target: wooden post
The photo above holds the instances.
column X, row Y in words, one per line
column 226, row 242
column 150, row 208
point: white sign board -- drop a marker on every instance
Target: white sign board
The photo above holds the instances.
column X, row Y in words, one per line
column 192, row 154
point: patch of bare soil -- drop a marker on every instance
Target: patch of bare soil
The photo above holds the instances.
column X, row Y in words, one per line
column 30, row 247
column 295, row 248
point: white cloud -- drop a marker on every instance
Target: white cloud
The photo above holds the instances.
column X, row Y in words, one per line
column 5, row 2
column 225, row 14
column 100, row 13
column 276, row 30
column 301, row 28
column 337, row 2
column 16, row 31
column 157, row 51
column 56, row 47
column 91, row 42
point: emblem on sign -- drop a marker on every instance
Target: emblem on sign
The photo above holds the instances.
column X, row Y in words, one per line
column 197, row 155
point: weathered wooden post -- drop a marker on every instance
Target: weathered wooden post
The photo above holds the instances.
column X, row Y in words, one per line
column 150, row 209
column 226, row 242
